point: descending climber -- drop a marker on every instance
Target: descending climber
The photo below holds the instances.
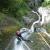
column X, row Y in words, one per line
column 19, row 36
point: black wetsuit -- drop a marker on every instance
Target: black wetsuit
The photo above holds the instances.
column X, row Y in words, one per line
column 19, row 37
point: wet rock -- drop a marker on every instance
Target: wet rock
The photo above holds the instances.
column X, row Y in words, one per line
column 26, row 20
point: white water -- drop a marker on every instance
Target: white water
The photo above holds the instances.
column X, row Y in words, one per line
column 20, row 46
column 17, row 47
column 45, row 12
column 38, row 21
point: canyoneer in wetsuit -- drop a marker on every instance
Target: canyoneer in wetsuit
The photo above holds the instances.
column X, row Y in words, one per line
column 19, row 36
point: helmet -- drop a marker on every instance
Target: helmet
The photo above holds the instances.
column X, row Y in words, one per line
column 17, row 32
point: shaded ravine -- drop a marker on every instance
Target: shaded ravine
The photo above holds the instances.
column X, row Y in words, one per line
column 22, row 45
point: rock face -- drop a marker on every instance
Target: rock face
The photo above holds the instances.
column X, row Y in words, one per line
column 34, row 3
column 26, row 20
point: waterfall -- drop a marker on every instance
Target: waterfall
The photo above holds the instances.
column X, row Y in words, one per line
column 28, row 32
column 38, row 21
column 44, row 12
column 19, row 46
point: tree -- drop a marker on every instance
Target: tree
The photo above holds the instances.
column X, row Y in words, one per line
column 13, row 7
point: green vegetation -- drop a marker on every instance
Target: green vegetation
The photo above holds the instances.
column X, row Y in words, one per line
column 46, row 3
column 47, row 27
column 8, row 27
column 13, row 10
column 14, row 7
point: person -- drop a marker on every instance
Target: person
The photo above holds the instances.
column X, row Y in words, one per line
column 19, row 36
